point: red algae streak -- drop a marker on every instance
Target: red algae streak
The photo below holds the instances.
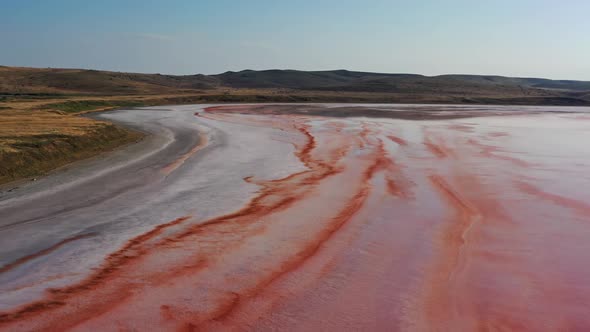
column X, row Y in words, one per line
column 56, row 298
column 203, row 140
column 43, row 252
column 442, row 288
column 368, row 235
column 461, row 127
column 437, row 146
column 582, row 207
column 498, row 134
column 495, row 152
column 397, row 140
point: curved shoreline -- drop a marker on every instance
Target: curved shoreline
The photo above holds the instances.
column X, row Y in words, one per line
column 52, row 200
column 112, row 192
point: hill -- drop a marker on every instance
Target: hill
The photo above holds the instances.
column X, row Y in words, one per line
column 15, row 80
column 323, row 85
column 456, row 88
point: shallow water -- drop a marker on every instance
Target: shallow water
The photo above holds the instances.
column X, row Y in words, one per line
column 307, row 223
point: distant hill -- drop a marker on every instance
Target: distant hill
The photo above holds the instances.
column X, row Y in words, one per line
column 295, row 79
column 399, row 87
column 338, row 80
column 81, row 81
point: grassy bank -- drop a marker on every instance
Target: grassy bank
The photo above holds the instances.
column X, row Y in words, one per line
column 80, row 106
column 33, row 143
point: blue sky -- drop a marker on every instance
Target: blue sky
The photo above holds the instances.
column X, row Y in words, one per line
column 538, row 38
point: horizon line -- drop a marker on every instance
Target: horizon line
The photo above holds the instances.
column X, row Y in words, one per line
column 298, row 70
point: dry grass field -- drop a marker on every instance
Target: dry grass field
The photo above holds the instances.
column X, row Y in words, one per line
column 34, row 142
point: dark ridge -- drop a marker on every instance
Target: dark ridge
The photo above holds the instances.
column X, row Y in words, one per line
column 401, row 87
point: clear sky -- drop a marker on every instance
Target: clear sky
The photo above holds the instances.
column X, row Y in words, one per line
column 532, row 38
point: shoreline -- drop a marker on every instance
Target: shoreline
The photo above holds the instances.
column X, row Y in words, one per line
column 122, row 137
column 407, row 111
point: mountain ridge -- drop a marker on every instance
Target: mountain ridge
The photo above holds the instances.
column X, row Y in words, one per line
column 460, row 88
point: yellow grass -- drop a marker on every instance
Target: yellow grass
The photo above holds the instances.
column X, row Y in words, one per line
column 33, row 142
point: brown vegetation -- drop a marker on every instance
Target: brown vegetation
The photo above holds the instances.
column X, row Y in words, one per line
column 293, row 86
column 34, row 142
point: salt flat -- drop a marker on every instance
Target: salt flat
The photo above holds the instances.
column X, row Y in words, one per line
column 265, row 217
